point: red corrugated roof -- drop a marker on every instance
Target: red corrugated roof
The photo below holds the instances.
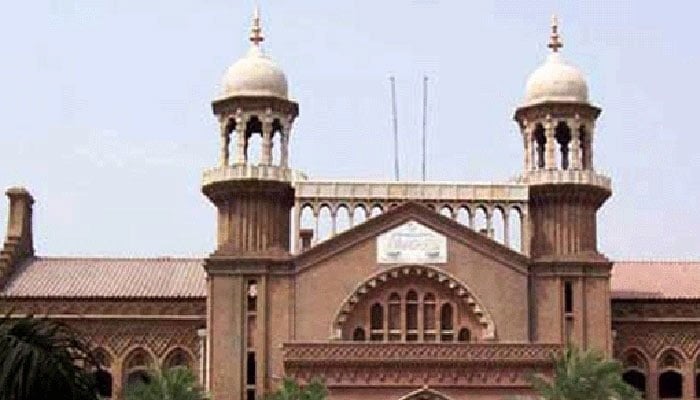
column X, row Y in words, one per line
column 656, row 280
column 108, row 278
column 185, row 278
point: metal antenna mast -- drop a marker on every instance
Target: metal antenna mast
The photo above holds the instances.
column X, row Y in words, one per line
column 425, row 122
column 396, row 127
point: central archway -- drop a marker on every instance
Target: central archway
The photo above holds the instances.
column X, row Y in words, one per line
column 425, row 394
column 413, row 303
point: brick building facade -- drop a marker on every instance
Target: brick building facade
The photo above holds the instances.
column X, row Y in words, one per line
column 385, row 290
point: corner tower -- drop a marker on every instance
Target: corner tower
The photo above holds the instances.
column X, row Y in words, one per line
column 253, row 195
column 570, row 276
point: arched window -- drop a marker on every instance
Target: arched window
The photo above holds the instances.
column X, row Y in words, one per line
column 446, row 323
column 394, row 317
column 177, row 358
column 539, row 140
column 429, row 317
column 103, row 382
column 103, row 375
column 376, row 211
column 464, row 335
column 253, row 143
column 358, row 334
column 137, row 366
column 635, row 379
column 670, row 385
column 376, row 322
column 446, row 211
column 359, row 215
column 562, row 134
column 411, row 316
column 670, row 377
column 636, row 368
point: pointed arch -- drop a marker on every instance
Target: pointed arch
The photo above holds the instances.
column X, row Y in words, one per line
column 425, row 393
column 178, row 357
column 137, row 366
column 458, row 288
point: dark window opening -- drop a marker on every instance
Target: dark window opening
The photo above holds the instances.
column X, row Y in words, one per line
column 252, row 295
column 670, row 385
column 464, row 335
column 250, row 368
column 697, row 386
column 250, row 394
column 358, row 335
column 103, row 381
column 136, row 377
column 568, row 298
column 636, row 379
column 562, row 135
column 539, row 141
column 446, row 323
column 376, row 322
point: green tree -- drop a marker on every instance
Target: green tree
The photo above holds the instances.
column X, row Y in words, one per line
column 291, row 390
column 584, row 375
column 44, row 359
column 178, row 383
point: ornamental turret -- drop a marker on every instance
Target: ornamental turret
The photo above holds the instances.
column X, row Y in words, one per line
column 570, row 278
column 557, row 123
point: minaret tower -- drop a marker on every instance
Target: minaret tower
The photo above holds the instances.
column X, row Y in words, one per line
column 557, row 123
column 253, row 201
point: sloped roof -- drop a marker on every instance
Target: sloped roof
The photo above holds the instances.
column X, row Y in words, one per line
column 108, row 278
column 655, row 280
column 55, row 277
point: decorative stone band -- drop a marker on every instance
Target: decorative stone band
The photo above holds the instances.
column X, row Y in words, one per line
column 380, row 365
column 247, row 172
column 584, row 177
column 403, row 191
column 301, row 353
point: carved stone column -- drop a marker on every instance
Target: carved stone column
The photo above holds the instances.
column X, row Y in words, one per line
column 575, row 151
column 266, row 156
column 527, row 142
column 489, row 222
column 506, row 228
column 225, row 141
column 550, row 145
column 241, row 157
column 284, row 146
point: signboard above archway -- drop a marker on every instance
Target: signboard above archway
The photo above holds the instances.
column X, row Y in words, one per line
column 411, row 243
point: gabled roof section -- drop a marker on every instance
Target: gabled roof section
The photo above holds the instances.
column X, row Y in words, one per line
column 419, row 213
column 156, row 278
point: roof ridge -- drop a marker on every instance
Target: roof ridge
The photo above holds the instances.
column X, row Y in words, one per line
column 111, row 258
column 661, row 261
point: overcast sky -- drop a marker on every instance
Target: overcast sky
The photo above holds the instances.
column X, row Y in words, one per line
column 105, row 107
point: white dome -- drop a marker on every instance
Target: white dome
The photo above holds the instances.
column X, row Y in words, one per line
column 254, row 75
column 556, row 81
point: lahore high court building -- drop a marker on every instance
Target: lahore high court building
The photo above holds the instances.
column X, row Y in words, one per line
column 418, row 291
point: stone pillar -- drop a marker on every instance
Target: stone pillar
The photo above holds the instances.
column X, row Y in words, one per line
column 524, row 232
column 202, row 350
column 241, row 156
column 284, row 146
column 489, row 222
column 351, row 215
column 225, row 141
column 589, row 147
column 334, row 215
column 527, row 139
column 506, row 227
column 266, row 156
column 550, row 159
column 316, row 218
column 575, row 150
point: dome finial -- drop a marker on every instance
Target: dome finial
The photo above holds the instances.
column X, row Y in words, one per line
column 256, row 35
column 554, row 40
